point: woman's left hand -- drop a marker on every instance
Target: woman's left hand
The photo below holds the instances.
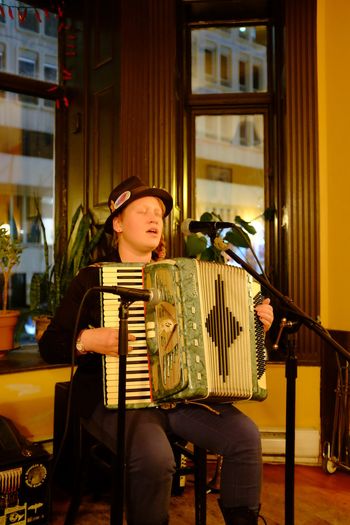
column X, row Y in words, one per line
column 265, row 314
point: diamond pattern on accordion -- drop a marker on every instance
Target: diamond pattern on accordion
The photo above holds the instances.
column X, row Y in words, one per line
column 222, row 326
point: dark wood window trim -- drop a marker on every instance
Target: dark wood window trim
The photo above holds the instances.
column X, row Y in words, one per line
column 299, row 187
column 292, row 175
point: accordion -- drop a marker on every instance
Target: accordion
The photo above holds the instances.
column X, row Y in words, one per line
column 202, row 341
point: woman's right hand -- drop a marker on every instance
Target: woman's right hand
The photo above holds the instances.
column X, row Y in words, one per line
column 102, row 340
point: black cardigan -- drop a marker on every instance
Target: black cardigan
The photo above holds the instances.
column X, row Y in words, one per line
column 55, row 346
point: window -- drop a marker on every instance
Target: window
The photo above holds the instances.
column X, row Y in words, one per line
column 228, row 133
column 229, row 179
column 263, row 130
column 29, row 43
column 210, row 63
column 27, row 138
column 50, row 73
column 28, row 65
column 51, row 26
column 226, row 66
column 29, row 22
column 256, row 77
column 2, row 57
column 243, row 75
column 223, row 59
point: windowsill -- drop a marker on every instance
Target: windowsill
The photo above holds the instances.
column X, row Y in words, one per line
column 24, row 359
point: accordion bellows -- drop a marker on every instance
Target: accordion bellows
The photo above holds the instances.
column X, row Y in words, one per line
column 204, row 339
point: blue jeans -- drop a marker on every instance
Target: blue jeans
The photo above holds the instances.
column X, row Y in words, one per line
column 150, row 462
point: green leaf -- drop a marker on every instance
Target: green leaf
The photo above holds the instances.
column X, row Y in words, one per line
column 77, row 250
column 195, row 245
column 238, row 238
column 245, row 225
column 207, row 254
column 207, row 217
column 211, row 254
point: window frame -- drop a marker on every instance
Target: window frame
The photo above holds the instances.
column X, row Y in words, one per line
column 23, row 86
column 238, row 103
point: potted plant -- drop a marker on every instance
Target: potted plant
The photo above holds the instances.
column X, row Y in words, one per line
column 10, row 252
column 48, row 288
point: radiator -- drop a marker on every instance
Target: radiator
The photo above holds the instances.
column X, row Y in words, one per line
column 307, row 445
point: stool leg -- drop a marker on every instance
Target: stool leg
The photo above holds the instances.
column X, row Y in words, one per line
column 200, row 485
column 79, row 471
column 214, row 484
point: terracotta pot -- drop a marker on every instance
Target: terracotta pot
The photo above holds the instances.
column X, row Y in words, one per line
column 8, row 322
column 41, row 323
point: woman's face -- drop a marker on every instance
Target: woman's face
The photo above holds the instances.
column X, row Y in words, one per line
column 140, row 225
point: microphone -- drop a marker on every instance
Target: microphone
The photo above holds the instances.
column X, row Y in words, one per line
column 190, row 226
column 150, row 296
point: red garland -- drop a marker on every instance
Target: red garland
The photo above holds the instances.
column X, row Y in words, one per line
column 22, row 16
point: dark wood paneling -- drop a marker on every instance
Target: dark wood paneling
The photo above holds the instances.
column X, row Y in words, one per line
column 301, row 181
column 148, row 89
column 103, row 146
column 102, row 102
column 134, row 89
column 102, row 34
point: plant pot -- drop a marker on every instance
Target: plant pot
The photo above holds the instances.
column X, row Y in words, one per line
column 41, row 323
column 8, row 322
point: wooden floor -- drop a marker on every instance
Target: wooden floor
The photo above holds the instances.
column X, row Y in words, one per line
column 319, row 499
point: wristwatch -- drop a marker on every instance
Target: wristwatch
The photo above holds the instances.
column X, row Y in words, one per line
column 79, row 345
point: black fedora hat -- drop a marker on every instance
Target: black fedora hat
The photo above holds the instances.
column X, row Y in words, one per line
column 128, row 191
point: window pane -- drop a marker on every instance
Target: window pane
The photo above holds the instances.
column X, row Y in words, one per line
column 29, row 20
column 30, row 41
column 229, row 172
column 51, row 26
column 26, row 175
column 229, row 60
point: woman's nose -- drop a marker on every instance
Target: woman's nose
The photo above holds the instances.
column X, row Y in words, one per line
column 154, row 216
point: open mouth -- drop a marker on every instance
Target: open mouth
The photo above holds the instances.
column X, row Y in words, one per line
column 154, row 231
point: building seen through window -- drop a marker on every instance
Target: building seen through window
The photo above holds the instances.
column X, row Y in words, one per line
column 28, row 49
column 229, row 144
column 229, row 61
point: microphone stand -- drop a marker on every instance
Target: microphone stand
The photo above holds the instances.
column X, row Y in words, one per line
column 291, row 375
column 118, row 464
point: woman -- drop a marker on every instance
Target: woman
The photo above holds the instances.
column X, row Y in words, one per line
column 136, row 220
